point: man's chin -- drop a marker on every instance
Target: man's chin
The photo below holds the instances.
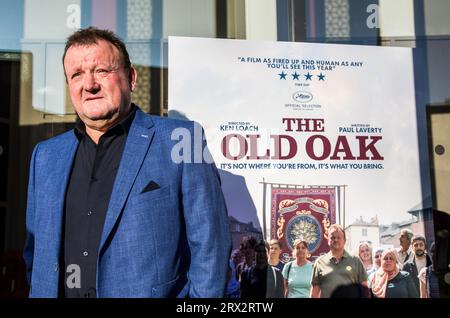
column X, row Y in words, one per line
column 420, row 254
column 99, row 111
column 100, row 116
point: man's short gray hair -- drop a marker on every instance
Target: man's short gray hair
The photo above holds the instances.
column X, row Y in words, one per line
column 409, row 234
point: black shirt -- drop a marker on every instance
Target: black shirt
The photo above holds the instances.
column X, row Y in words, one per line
column 87, row 198
column 254, row 282
column 401, row 286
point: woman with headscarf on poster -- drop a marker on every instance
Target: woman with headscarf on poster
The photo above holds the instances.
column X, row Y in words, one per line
column 389, row 282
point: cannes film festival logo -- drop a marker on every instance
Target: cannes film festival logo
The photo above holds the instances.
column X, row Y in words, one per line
column 302, row 97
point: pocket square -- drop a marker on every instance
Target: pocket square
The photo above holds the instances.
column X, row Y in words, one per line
column 152, row 185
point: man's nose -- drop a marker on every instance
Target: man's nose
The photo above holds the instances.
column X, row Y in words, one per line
column 90, row 83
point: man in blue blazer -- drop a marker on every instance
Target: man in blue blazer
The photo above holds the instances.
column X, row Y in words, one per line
column 112, row 212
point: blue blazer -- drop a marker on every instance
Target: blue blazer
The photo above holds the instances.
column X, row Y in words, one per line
column 170, row 242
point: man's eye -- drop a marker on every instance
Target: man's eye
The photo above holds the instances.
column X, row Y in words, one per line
column 101, row 70
column 75, row 75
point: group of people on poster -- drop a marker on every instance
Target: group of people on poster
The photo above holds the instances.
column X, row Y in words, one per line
column 404, row 272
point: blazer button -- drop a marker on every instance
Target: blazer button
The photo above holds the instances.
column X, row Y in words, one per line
column 91, row 293
column 85, row 253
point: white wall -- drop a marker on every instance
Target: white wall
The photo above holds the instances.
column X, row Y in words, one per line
column 50, row 19
column 45, row 41
column 189, row 18
column 261, row 19
column 396, row 18
column 354, row 236
column 437, row 20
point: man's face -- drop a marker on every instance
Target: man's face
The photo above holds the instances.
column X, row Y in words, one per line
column 418, row 248
column 274, row 251
column 336, row 240
column 99, row 85
column 404, row 241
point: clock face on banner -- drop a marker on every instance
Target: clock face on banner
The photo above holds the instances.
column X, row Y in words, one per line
column 305, row 228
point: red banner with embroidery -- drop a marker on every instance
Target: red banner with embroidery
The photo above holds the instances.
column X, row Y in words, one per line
column 302, row 214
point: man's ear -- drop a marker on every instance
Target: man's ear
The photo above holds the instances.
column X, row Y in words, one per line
column 132, row 78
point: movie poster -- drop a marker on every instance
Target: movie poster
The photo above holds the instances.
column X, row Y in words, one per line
column 304, row 135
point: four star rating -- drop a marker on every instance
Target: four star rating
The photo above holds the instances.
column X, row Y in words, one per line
column 297, row 77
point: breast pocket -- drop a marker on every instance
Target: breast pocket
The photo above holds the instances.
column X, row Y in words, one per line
column 161, row 195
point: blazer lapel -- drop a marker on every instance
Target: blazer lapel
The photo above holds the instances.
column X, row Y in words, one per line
column 139, row 139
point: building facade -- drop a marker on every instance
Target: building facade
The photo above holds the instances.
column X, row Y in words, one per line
column 362, row 231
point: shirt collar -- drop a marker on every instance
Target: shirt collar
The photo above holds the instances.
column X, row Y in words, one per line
column 122, row 127
column 331, row 257
column 407, row 252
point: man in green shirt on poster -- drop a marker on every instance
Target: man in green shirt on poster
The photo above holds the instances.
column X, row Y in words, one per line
column 337, row 273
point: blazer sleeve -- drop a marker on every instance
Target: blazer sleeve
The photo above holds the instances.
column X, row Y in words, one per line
column 30, row 216
column 207, row 229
